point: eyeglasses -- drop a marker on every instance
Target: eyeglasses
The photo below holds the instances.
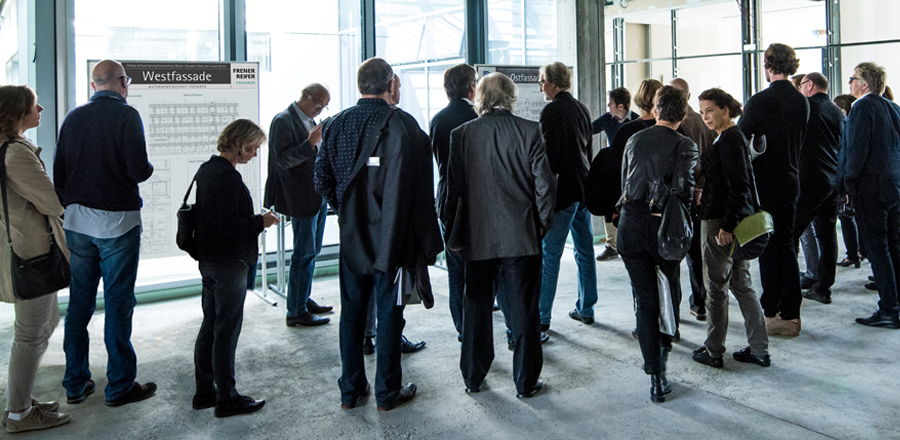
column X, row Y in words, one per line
column 127, row 79
column 320, row 105
column 853, row 78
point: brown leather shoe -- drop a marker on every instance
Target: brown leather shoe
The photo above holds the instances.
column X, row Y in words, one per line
column 776, row 326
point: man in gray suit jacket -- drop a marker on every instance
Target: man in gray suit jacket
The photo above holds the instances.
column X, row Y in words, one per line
column 293, row 140
column 500, row 194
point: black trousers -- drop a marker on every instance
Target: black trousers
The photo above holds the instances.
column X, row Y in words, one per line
column 356, row 292
column 879, row 227
column 639, row 249
column 778, row 267
column 224, row 290
column 518, row 282
column 694, row 258
column 822, row 213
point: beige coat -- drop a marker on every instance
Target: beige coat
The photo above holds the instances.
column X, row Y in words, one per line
column 31, row 196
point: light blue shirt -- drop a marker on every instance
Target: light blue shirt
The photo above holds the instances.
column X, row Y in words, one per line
column 308, row 123
column 98, row 223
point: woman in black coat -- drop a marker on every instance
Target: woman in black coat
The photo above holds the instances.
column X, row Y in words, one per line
column 227, row 231
column 654, row 159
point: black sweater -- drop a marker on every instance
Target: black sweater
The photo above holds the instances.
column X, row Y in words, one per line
column 566, row 126
column 226, row 226
column 727, row 194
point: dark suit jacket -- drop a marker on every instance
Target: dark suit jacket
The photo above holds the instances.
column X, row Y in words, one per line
column 780, row 112
column 872, row 150
column 387, row 218
column 456, row 113
column 499, row 170
column 819, row 156
column 289, row 186
column 566, row 126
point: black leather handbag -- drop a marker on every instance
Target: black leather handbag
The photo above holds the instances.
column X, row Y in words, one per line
column 186, row 234
column 38, row 276
column 677, row 228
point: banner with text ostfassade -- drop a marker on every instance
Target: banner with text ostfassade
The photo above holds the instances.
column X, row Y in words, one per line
column 530, row 100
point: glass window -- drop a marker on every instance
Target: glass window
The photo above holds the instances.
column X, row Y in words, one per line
column 810, row 60
column 521, row 32
column 724, row 72
column 407, row 30
column 291, row 56
column 143, row 31
column 851, row 56
column 635, row 73
column 869, row 20
column 9, row 45
column 709, row 29
column 421, row 40
column 797, row 23
column 648, row 35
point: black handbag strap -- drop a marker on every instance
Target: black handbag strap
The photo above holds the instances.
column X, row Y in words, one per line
column 190, row 187
column 6, row 219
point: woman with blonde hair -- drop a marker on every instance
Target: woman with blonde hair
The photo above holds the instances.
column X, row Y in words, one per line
column 227, row 231
column 32, row 204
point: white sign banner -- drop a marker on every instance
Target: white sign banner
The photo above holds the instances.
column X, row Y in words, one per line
column 530, row 100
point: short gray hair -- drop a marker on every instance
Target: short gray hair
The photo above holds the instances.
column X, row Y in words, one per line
column 374, row 76
column 558, row 74
column 873, row 75
column 495, row 90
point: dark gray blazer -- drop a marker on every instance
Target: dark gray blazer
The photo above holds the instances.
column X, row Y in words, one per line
column 292, row 159
column 499, row 171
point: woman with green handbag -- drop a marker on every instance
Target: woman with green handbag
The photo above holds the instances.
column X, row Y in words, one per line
column 728, row 196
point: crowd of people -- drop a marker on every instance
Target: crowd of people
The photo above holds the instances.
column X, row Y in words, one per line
column 794, row 154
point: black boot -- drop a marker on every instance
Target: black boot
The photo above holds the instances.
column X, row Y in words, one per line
column 659, row 385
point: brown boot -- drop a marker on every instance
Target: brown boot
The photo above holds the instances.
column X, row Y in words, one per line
column 783, row 327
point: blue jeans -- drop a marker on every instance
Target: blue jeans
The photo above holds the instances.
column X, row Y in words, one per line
column 576, row 219
column 357, row 291
column 116, row 261
column 308, row 232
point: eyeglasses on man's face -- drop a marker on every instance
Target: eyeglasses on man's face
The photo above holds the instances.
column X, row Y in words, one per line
column 853, row 78
column 127, row 79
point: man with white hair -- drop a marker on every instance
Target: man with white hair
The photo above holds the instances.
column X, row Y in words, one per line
column 502, row 257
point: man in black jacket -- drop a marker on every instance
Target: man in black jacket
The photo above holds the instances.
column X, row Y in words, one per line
column 497, row 221
column 566, row 127
column 459, row 83
column 374, row 167
column 818, row 169
column 780, row 113
column 293, row 138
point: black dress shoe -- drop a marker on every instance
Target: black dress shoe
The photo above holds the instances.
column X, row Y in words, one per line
column 407, row 393
column 589, row 320
column 659, row 387
column 699, row 314
column 368, row 347
column 847, row 262
column 358, row 400
column 307, row 319
column 89, row 388
column 746, row 355
column 532, row 391
column 879, row 319
column 203, row 401
column 871, row 277
column 545, row 337
column 407, row 347
column 316, row 309
column 473, row 390
column 239, row 405
column 137, row 393
column 806, row 282
column 822, row 297
column 871, row 285
column 703, row 356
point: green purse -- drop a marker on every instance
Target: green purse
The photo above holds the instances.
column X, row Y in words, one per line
column 751, row 235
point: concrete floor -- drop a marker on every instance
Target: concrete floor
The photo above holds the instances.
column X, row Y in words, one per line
column 837, row 380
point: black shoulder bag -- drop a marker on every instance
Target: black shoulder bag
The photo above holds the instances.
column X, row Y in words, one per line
column 676, row 229
column 186, row 235
column 38, row 276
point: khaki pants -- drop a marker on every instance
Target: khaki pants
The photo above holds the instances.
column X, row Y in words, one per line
column 721, row 273
column 610, row 234
column 36, row 319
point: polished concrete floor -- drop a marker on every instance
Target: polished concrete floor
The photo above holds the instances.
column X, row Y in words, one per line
column 837, row 380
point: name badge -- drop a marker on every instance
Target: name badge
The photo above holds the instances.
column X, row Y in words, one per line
column 374, row 161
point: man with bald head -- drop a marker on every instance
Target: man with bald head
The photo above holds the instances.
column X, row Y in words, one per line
column 100, row 159
column 294, row 137
column 694, row 128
